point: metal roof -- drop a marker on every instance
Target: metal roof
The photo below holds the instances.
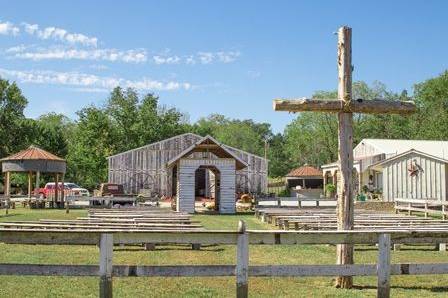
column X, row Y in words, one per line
column 33, row 153
column 390, row 146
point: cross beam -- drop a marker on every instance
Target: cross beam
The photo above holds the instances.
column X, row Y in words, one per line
column 374, row 106
column 345, row 106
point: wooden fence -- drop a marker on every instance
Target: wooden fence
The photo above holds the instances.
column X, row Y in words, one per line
column 434, row 206
column 241, row 238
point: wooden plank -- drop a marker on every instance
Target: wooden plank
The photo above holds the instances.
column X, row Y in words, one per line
column 383, row 267
column 221, row 270
column 374, row 106
column 105, row 269
column 49, row 270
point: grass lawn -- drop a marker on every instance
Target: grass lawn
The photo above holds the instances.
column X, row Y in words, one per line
column 15, row 286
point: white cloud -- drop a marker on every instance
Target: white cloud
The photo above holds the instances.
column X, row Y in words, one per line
column 227, row 57
column 83, row 80
column 60, row 34
column 206, row 57
column 112, row 55
column 8, row 28
column 199, row 57
column 166, row 60
column 253, row 74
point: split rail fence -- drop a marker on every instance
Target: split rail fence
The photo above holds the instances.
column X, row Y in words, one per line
column 241, row 238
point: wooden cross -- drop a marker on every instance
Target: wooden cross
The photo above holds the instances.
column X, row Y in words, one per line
column 345, row 107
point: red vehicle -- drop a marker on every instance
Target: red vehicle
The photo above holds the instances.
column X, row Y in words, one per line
column 69, row 189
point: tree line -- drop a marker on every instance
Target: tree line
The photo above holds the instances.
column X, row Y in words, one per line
column 128, row 120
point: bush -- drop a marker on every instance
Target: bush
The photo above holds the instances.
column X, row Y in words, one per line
column 330, row 189
column 284, row 193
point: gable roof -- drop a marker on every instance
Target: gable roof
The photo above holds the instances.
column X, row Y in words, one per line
column 32, row 153
column 190, row 135
column 209, row 144
column 398, row 156
column 390, row 146
column 305, row 171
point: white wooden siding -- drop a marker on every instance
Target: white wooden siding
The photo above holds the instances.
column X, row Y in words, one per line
column 186, row 183
column 431, row 184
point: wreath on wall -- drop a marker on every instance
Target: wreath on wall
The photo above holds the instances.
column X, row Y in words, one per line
column 415, row 169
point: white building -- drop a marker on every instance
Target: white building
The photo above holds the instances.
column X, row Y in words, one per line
column 397, row 168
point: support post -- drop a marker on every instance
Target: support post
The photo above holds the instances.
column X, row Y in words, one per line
column 7, row 191
column 242, row 261
column 383, row 266
column 345, row 205
column 106, row 252
column 56, row 190
column 62, row 191
column 30, row 174
column 37, row 179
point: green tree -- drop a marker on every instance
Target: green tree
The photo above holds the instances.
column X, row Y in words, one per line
column 12, row 119
column 431, row 97
column 93, row 140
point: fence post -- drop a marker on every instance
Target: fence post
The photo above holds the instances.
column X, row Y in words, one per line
column 106, row 251
column 383, row 266
column 242, row 261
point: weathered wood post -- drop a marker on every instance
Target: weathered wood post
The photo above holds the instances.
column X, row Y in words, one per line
column 7, row 191
column 383, row 266
column 242, row 261
column 30, row 174
column 106, row 252
column 345, row 138
column 56, row 191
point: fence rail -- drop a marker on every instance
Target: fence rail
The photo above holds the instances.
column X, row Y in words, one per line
column 429, row 206
column 241, row 238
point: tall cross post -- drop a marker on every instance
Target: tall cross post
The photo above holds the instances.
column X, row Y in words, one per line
column 345, row 106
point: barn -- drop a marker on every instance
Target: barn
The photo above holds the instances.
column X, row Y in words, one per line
column 410, row 169
column 188, row 166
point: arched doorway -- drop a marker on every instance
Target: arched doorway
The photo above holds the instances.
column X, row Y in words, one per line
column 207, row 188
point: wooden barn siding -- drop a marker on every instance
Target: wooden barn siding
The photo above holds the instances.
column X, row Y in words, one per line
column 146, row 165
column 431, row 184
column 186, row 183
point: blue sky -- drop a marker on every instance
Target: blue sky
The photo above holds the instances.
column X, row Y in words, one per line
column 203, row 57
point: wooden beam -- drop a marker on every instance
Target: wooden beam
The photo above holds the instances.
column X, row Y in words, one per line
column 374, row 106
column 345, row 205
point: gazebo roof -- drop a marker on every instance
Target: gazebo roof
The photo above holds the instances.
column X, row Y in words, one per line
column 33, row 153
column 33, row 159
column 305, row 171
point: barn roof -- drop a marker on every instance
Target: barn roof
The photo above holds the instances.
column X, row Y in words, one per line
column 305, row 171
column 209, row 144
column 184, row 135
column 378, row 165
column 32, row 153
column 390, row 146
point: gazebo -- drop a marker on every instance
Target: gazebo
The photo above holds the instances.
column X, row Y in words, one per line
column 305, row 177
column 33, row 160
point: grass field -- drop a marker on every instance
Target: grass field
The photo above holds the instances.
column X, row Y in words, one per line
column 14, row 286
